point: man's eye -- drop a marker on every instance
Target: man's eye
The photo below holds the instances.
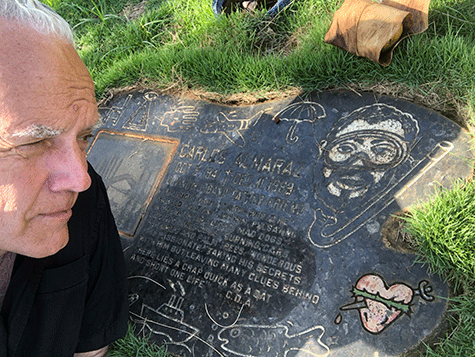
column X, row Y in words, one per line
column 85, row 140
column 33, row 148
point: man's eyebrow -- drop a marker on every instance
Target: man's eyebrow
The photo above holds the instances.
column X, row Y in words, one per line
column 37, row 131
column 41, row 131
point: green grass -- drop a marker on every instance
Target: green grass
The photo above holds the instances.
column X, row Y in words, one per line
column 133, row 346
column 181, row 45
column 443, row 230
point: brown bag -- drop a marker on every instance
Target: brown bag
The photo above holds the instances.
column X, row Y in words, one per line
column 373, row 29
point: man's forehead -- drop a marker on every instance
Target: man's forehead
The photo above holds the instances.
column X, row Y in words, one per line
column 46, row 119
column 31, row 62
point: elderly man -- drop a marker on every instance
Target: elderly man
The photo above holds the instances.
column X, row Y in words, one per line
column 62, row 272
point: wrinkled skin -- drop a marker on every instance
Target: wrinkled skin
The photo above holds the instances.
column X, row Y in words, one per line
column 47, row 112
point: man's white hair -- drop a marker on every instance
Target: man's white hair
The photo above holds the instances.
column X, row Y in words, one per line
column 36, row 15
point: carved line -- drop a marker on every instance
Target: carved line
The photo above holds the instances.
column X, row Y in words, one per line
column 144, row 118
column 286, row 334
column 109, row 116
column 222, row 326
column 147, row 278
column 239, row 125
column 291, row 138
column 180, row 330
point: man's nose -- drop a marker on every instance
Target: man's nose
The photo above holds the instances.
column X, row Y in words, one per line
column 68, row 170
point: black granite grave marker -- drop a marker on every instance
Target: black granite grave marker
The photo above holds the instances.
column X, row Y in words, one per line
column 256, row 230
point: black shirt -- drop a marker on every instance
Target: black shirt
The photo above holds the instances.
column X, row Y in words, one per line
column 75, row 300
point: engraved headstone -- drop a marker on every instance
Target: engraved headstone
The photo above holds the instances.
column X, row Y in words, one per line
column 256, row 230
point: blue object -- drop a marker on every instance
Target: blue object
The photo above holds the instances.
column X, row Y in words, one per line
column 279, row 6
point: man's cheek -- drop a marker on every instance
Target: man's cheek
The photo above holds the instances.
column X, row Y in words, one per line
column 8, row 199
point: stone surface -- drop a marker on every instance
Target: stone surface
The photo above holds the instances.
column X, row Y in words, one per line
column 256, row 230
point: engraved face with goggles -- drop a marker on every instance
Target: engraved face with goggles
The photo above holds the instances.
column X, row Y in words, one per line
column 374, row 150
column 361, row 149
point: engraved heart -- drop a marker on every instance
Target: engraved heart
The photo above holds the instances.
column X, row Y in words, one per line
column 383, row 304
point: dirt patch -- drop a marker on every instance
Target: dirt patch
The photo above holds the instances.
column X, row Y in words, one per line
column 247, row 5
column 395, row 236
column 449, row 106
column 243, row 98
column 134, row 11
column 237, row 99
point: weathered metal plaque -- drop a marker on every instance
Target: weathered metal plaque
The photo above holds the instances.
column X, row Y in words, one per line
column 256, row 231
